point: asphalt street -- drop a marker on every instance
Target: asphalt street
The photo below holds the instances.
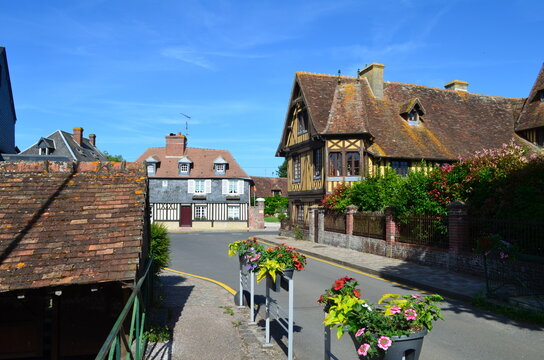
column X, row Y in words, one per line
column 467, row 333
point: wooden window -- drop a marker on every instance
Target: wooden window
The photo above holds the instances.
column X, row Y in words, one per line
column 150, row 168
column 300, row 213
column 233, row 212
column 296, row 167
column 233, row 187
column 401, row 167
column 335, row 164
column 276, row 192
column 220, row 168
column 318, row 163
column 302, row 119
column 353, row 163
column 200, row 187
column 201, row 212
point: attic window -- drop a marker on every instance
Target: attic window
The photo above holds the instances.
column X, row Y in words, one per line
column 302, row 118
column 541, row 95
column 151, row 169
column 44, row 151
column 413, row 117
column 220, row 168
column 184, row 169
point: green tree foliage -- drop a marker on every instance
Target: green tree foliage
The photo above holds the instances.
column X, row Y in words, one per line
column 160, row 246
column 275, row 204
column 115, row 158
column 282, row 169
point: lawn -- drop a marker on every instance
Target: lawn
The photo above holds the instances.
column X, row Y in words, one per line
column 271, row 219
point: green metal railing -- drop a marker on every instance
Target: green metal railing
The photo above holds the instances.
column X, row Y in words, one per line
column 132, row 345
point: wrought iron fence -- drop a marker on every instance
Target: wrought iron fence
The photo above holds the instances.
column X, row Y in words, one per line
column 335, row 221
column 424, row 230
column 369, row 224
column 119, row 342
column 527, row 236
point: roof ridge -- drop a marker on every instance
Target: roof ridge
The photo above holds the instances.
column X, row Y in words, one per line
column 326, row 75
column 440, row 89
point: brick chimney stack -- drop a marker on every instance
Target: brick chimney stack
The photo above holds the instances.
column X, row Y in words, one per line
column 175, row 144
column 457, row 85
column 78, row 135
column 92, row 138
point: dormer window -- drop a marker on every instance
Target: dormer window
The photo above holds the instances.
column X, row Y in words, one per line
column 302, row 118
column 220, row 166
column 184, row 169
column 541, row 96
column 184, row 166
column 152, row 163
column 151, row 169
column 411, row 111
column 413, row 117
column 46, row 146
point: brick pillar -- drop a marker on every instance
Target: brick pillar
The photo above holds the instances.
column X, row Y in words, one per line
column 458, row 231
column 391, row 230
column 351, row 209
column 312, row 218
column 256, row 214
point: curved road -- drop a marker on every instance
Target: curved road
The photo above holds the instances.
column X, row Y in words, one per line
column 467, row 333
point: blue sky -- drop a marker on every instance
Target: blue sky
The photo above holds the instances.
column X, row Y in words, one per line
column 125, row 70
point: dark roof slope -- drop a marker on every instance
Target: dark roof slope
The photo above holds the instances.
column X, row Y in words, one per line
column 65, row 145
column 4, row 61
column 532, row 115
column 202, row 163
column 265, row 185
column 64, row 225
column 454, row 123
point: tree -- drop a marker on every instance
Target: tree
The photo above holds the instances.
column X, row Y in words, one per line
column 115, row 158
column 282, row 169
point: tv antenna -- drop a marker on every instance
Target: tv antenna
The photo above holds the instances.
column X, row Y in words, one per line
column 186, row 125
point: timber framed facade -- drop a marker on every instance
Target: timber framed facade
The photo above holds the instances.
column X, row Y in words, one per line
column 341, row 129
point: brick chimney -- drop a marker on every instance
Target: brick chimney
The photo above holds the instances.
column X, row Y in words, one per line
column 374, row 74
column 92, row 139
column 78, row 135
column 457, row 85
column 175, row 144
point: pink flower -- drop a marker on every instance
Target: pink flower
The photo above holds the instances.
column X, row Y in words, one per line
column 363, row 349
column 415, row 296
column 395, row 309
column 360, row 332
column 384, row 342
column 410, row 314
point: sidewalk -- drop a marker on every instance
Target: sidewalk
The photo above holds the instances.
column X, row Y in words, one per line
column 206, row 324
column 432, row 279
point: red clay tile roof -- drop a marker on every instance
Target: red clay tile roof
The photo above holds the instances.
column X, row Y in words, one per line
column 63, row 224
column 264, row 185
column 202, row 163
column 455, row 123
column 532, row 115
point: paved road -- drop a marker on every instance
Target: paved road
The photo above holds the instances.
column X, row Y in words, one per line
column 467, row 333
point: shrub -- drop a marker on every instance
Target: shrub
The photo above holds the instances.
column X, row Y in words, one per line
column 160, row 246
column 275, row 204
column 376, row 192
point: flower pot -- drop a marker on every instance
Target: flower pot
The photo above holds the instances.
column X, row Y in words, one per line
column 406, row 347
column 243, row 262
column 273, row 284
column 288, row 273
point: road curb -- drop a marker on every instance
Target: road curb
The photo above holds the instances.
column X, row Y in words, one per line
column 402, row 281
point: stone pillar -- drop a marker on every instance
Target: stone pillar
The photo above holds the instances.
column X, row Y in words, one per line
column 351, row 209
column 320, row 221
column 458, row 231
column 391, row 230
column 312, row 218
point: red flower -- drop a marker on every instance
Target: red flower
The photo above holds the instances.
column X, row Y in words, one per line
column 357, row 293
column 339, row 284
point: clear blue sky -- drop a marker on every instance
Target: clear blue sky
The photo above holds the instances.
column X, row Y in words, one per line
column 125, row 70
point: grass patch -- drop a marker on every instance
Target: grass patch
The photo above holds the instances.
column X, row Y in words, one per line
column 271, row 219
column 228, row 310
column 515, row 313
column 158, row 334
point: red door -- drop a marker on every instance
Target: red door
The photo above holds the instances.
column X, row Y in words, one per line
column 185, row 217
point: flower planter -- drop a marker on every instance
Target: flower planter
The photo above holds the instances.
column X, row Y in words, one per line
column 243, row 262
column 273, row 284
column 288, row 273
column 404, row 347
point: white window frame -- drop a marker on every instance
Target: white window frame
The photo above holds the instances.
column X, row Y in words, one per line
column 233, row 212
column 184, row 168
column 233, row 187
column 150, row 167
column 200, row 186
column 220, row 168
column 201, row 212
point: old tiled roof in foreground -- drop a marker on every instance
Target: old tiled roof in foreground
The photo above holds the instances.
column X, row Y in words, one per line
column 66, row 223
column 454, row 123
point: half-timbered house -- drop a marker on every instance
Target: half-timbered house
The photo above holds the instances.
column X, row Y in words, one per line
column 340, row 129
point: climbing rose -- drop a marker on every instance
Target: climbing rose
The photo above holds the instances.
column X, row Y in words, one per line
column 363, row 349
column 384, row 342
column 360, row 332
column 410, row 314
column 338, row 284
column 395, row 309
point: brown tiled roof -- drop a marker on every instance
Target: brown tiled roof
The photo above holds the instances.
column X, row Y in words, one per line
column 70, row 224
column 264, row 185
column 532, row 115
column 202, row 165
column 455, row 123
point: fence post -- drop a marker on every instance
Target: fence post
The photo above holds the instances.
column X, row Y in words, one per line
column 391, row 230
column 458, row 233
column 311, row 222
column 351, row 209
